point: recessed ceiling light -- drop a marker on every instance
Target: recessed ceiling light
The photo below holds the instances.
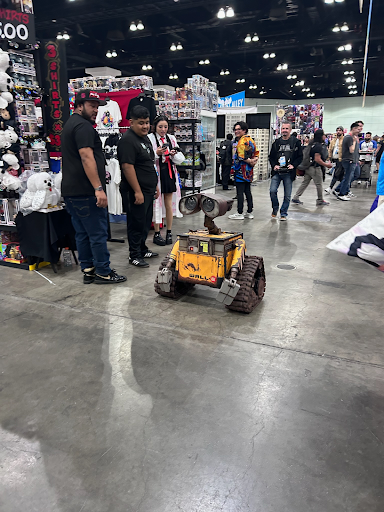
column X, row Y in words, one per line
column 336, row 28
column 255, row 37
column 221, row 13
column 344, row 27
column 248, row 38
column 230, row 12
column 179, row 46
column 140, row 25
column 133, row 26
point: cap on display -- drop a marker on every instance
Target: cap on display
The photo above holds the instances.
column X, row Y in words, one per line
column 89, row 95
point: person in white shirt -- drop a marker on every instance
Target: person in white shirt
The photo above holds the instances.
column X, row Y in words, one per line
column 167, row 155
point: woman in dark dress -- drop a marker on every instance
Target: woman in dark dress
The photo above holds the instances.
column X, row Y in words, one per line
column 166, row 150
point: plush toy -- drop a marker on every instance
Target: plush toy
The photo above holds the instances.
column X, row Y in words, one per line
column 11, row 161
column 58, row 180
column 6, row 82
column 6, row 117
column 9, row 182
column 5, row 61
column 27, row 197
column 46, row 195
column 10, row 136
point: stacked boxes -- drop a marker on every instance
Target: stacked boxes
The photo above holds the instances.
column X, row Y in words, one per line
column 109, row 83
column 175, row 109
column 9, row 208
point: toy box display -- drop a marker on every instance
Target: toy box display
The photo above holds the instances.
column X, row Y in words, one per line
column 23, row 69
column 4, row 216
column 176, row 109
column 165, row 95
column 11, row 252
column 26, row 115
column 35, row 159
column 109, row 83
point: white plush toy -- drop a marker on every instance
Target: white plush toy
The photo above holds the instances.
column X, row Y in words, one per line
column 10, row 137
column 58, row 180
column 46, row 194
column 9, row 182
column 11, row 160
column 6, row 82
column 27, row 197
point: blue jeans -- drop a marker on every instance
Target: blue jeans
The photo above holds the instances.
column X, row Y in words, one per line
column 91, row 226
column 356, row 175
column 349, row 170
column 275, row 182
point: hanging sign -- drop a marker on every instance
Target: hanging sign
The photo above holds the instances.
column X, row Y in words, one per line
column 56, row 102
column 235, row 100
column 17, row 24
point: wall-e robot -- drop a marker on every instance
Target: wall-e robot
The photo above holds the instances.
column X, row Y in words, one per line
column 213, row 258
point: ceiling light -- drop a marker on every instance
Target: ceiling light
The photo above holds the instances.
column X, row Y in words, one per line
column 339, row 1
column 222, row 72
column 230, row 12
column 353, row 92
column 179, row 46
column 248, row 38
column 149, row 67
column 108, row 54
column 140, row 25
column 59, row 35
column 353, row 80
column 348, row 80
column 201, row 62
column 341, row 48
column 328, row 1
column 114, row 53
column 272, row 55
column 207, row 61
column 289, row 77
column 350, row 61
column 266, row 56
column 348, row 47
column 262, row 92
column 144, row 68
column 253, row 86
column 66, row 35
column 173, row 47
column 221, row 13
column 294, row 77
column 336, row 28
column 345, row 28
column 255, row 37
column 226, row 72
column 133, row 26
column 344, row 62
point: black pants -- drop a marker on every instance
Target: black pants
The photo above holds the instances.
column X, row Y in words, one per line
column 139, row 220
column 244, row 187
column 226, row 173
column 338, row 174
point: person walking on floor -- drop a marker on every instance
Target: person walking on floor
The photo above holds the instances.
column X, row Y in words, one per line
column 167, row 154
column 225, row 156
column 285, row 156
column 83, row 188
column 245, row 158
column 335, row 155
column 138, row 184
column 318, row 155
column 350, row 158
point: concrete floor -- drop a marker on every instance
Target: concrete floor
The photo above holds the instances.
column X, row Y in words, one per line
column 118, row 400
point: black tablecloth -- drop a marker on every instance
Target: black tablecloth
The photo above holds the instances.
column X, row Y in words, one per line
column 43, row 235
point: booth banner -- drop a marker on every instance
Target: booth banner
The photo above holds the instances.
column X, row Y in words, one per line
column 17, row 24
column 55, row 85
column 235, row 100
column 305, row 119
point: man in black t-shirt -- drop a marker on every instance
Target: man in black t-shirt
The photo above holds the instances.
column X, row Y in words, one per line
column 138, row 184
column 83, row 189
column 285, row 156
column 318, row 155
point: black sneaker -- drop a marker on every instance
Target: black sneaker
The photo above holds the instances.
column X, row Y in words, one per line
column 89, row 275
column 138, row 262
column 151, row 254
column 296, row 201
column 111, row 278
column 158, row 239
column 168, row 239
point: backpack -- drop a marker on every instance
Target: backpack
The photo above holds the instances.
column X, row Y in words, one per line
column 307, row 161
column 223, row 152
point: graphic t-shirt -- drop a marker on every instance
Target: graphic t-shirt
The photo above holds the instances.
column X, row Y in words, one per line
column 79, row 133
column 370, row 145
column 138, row 151
column 346, row 154
column 108, row 116
column 115, row 204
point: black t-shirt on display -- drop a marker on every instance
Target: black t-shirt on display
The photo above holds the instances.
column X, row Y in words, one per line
column 143, row 101
column 138, row 151
column 79, row 133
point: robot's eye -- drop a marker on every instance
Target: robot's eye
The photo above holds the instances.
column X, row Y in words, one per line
column 208, row 204
column 191, row 203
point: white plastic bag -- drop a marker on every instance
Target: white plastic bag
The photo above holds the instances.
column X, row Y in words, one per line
column 365, row 240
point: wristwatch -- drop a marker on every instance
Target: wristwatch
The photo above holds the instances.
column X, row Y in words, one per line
column 99, row 188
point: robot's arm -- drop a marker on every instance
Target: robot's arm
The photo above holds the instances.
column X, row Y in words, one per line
column 238, row 258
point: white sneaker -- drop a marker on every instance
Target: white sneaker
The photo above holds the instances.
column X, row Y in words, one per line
column 344, row 198
column 328, row 190
column 351, row 195
column 249, row 215
column 236, row 216
column 335, row 193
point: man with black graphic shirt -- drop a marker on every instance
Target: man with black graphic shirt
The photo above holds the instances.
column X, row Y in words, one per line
column 285, row 156
column 83, row 188
column 138, row 184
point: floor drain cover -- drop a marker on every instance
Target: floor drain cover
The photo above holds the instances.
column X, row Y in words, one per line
column 286, row 267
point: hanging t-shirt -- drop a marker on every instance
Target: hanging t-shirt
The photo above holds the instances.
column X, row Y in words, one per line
column 108, row 116
column 143, row 101
column 115, row 204
column 123, row 98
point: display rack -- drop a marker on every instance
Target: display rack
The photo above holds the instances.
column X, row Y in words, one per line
column 190, row 185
